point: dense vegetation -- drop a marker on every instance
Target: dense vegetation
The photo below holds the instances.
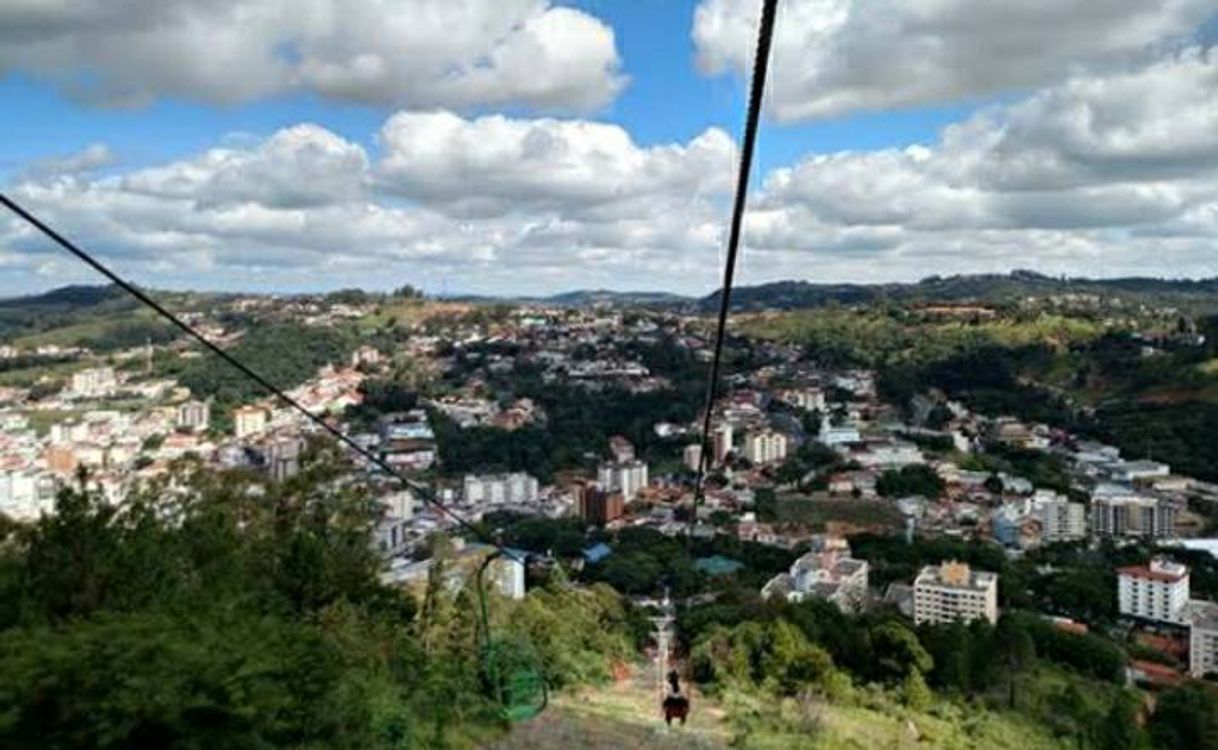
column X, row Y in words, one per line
column 285, row 354
column 1082, row 373
column 578, row 421
column 62, row 307
column 984, row 288
column 227, row 617
column 918, row 479
column 1070, row 685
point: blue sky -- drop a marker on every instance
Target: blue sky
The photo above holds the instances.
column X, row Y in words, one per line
column 890, row 150
column 666, row 100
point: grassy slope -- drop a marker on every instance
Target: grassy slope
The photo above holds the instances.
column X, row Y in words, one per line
column 947, row 726
column 620, row 715
column 624, row 715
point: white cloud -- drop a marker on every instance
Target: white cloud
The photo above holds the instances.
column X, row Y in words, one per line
column 94, row 156
column 1094, row 175
column 1097, row 175
column 492, row 201
column 494, row 165
column 302, row 166
column 425, row 53
column 832, row 57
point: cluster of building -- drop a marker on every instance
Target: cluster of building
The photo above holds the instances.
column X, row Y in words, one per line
column 124, row 426
column 472, row 411
column 949, row 592
column 1158, row 594
column 764, row 421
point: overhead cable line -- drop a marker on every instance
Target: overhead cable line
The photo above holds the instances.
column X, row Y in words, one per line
column 761, row 62
column 418, row 488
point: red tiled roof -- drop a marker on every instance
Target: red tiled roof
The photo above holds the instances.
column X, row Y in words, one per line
column 1141, row 571
column 1155, row 672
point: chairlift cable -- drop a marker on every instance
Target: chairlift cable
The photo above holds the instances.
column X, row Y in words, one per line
column 417, row 488
column 765, row 37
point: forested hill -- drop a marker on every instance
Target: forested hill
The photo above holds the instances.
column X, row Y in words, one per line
column 66, row 298
column 59, row 307
column 81, row 312
column 1196, row 295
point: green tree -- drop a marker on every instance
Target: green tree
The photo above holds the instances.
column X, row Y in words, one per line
column 898, row 652
column 918, row 479
column 914, row 692
column 236, row 612
column 1186, row 718
column 1014, row 646
column 1118, row 729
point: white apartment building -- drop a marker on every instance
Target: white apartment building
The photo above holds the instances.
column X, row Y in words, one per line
column 26, row 494
column 810, row 399
column 282, row 457
column 1122, row 513
column 94, row 382
column 500, row 489
column 1060, row 519
column 249, row 420
column 398, row 504
column 693, row 456
column 953, row 592
column 392, row 533
column 1202, row 638
column 765, row 447
column 391, row 536
column 1157, row 591
column 193, row 415
column 829, row 573
column 626, row 477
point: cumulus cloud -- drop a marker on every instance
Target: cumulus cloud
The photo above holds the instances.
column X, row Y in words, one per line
column 1098, row 174
column 492, row 200
column 298, row 167
column 495, row 165
column 1118, row 169
column 1091, row 151
column 426, row 53
column 836, row 56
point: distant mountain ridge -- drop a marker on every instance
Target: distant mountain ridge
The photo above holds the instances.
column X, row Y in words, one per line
column 778, row 295
column 67, row 297
column 980, row 288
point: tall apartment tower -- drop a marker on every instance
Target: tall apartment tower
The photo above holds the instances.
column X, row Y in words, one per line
column 953, row 592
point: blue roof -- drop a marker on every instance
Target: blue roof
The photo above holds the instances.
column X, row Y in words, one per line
column 597, row 552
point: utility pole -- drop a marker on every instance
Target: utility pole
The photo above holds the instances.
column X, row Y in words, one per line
column 663, row 637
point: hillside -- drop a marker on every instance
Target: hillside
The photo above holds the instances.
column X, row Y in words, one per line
column 24, row 316
column 1194, row 295
column 622, row 715
column 100, row 317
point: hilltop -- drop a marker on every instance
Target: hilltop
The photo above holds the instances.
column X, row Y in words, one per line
column 1193, row 295
column 1200, row 294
